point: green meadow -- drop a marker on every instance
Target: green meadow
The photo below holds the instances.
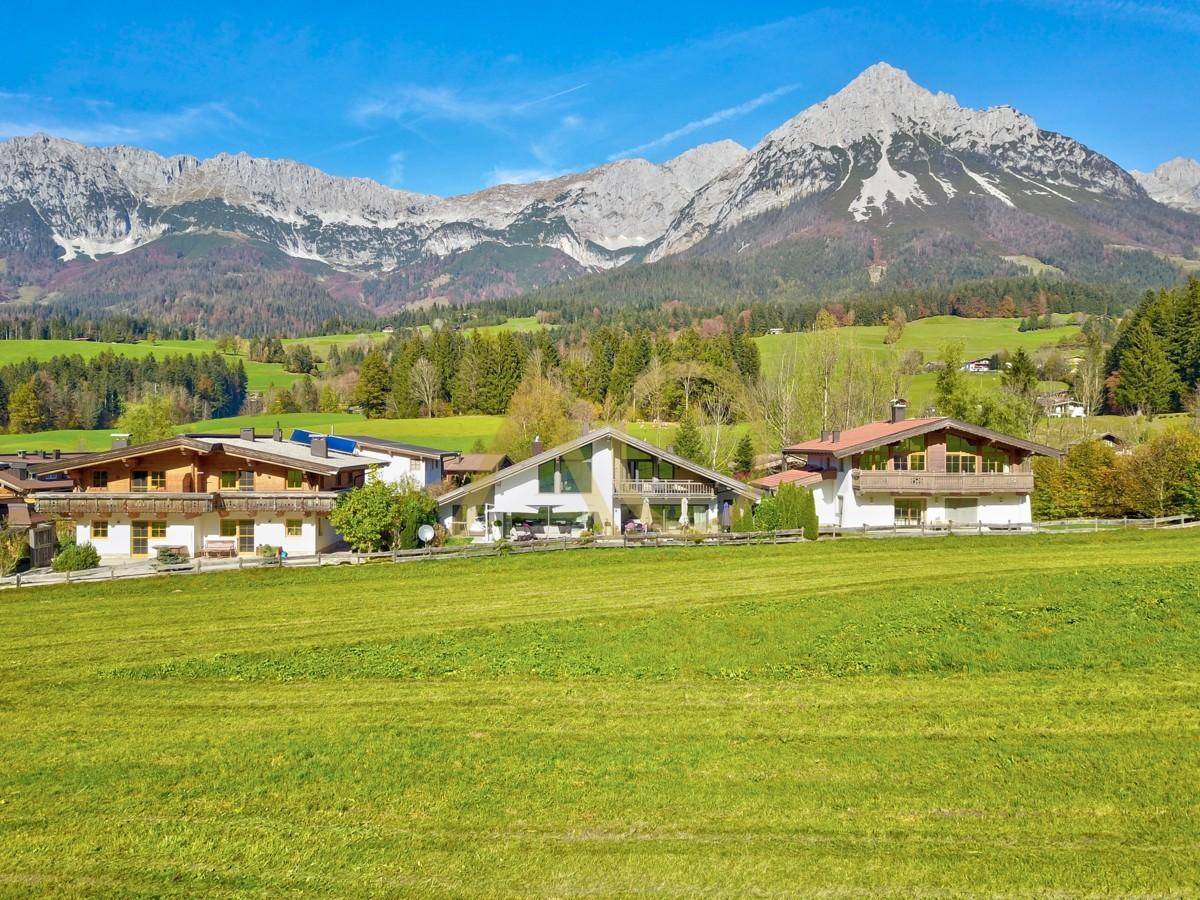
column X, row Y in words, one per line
column 962, row 716
column 979, row 337
column 448, row 433
column 259, row 376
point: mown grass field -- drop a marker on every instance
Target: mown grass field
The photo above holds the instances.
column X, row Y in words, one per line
column 978, row 716
column 979, row 337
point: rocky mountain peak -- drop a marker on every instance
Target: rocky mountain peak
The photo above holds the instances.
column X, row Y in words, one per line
column 1175, row 183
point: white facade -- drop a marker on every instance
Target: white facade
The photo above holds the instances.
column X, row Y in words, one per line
column 839, row 505
column 399, row 468
column 516, row 498
column 316, row 534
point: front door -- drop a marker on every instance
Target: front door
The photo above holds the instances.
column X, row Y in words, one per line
column 909, row 511
column 242, row 530
column 142, row 533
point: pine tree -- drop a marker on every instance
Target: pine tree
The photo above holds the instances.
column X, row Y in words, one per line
column 374, row 385
column 743, row 456
column 951, row 394
column 688, row 443
column 1147, row 379
column 25, row 412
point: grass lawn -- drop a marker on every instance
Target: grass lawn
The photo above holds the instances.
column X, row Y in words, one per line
column 979, row 337
column 960, row 716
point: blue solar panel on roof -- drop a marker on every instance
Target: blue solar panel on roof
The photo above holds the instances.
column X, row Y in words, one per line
column 332, row 442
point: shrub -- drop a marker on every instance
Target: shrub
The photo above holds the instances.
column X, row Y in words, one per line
column 73, row 557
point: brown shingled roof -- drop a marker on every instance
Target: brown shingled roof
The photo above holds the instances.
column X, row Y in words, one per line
column 877, row 434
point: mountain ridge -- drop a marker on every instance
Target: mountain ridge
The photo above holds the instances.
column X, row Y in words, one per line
column 892, row 173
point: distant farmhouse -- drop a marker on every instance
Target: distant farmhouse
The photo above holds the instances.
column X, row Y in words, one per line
column 983, row 364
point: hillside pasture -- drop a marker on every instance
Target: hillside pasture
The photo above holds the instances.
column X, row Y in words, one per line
column 979, row 337
column 966, row 716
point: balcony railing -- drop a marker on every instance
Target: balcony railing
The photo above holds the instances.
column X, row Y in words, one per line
column 665, row 488
column 889, row 482
column 78, row 503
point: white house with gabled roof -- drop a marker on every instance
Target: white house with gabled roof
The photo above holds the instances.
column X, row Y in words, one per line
column 604, row 482
column 913, row 472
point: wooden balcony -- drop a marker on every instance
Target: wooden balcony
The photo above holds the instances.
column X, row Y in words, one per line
column 666, row 489
column 276, row 501
column 947, row 483
column 104, row 503
column 75, row 504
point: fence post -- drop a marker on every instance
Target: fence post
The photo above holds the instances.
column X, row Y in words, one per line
column 68, row 576
column 112, row 572
column 18, row 579
column 239, row 563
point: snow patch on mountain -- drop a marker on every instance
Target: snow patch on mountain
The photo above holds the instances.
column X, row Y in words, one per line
column 885, row 186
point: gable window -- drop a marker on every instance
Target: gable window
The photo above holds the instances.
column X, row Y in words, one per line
column 576, row 468
column 995, row 460
column 139, row 480
column 100, row 478
column 874, row 460
column 546, row 477
column 229, row 481
column 246, row 480
column 295, row 479
column 960, row 455
column 909, row 455
column 99, row 529
column 158, row 480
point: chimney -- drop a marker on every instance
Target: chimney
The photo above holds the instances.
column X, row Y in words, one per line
column 319, row 446
column 120, row 441
column 836, row 436
column 537, row 445
column 825, row 436
column 277, row 434
column 58, row 454
column 21, row 454
column 899, row 410
column 247, row 434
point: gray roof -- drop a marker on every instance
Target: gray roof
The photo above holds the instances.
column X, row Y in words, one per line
column 385, row 445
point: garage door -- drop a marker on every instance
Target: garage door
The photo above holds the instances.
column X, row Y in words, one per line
column 963, row 511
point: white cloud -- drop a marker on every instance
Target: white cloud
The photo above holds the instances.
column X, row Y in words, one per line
column 499, row 175
column 417, row 102
column 721, row 115
column 128, row 128
column 395, row 169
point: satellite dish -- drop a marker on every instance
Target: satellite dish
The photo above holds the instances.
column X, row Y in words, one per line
column 425, row 533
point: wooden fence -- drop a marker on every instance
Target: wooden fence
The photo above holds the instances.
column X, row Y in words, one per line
column 147, row 568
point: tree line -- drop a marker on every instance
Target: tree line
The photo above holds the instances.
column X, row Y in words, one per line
column 70, row 392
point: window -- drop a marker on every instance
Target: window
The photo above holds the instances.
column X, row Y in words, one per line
column 295, row 479
column 140, row 535
column 293, row 528
column 960, row 455
column 874, row 460
column 243, row 530
column 994, row 460
column 158, row 481
column 909, row 511
column 546, row 477
column 576, row 469
column 246, row 480
column 229, row 481
column 140, row 480
column 909, row 455
column 100, row 478
column 99, row 529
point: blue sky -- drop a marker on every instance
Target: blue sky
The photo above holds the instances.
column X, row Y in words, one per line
column 449, row 98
